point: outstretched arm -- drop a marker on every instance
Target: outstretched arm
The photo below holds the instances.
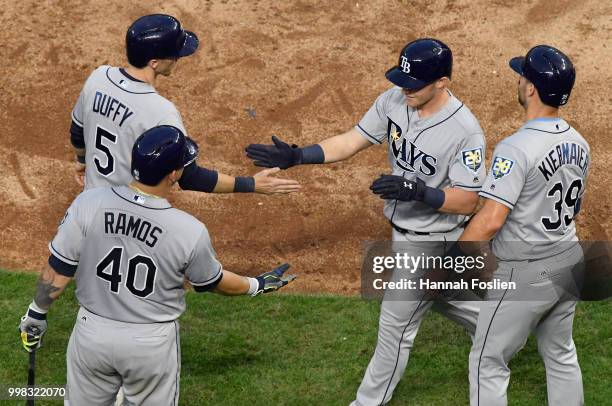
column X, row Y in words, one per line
column 232, row 284
column 282, row 155
column 201, row 179
column 343, row 146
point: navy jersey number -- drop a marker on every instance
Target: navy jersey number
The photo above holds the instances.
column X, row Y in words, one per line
column 571, row 200
column 101, row 136
column 136, row 264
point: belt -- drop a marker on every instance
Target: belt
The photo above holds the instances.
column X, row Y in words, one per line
column 405, row 231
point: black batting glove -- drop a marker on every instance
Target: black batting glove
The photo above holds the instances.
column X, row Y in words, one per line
column 394, row 187
column 279, row 155
column 273, row 280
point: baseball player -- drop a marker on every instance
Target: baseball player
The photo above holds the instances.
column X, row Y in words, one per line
column 436, row 152
column 130, row 251
column 116, row 105
column 532, row 194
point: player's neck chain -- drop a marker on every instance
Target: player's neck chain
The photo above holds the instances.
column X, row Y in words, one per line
column 136, row 189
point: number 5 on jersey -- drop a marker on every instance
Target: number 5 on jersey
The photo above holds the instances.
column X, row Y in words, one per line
column 101, row 136
column 112, row 260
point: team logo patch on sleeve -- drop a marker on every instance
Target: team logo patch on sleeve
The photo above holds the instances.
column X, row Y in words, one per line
column 472, row 158
column 501, row 167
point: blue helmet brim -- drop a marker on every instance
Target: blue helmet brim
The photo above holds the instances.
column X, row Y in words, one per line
column 401, row 79
column 517, row 63
column 190, row 45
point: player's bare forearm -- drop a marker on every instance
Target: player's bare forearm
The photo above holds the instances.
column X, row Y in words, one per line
column 487, row 222
column 49, row 287
column 263, row 182
column 232, row 285
column 225, row 184
column 343, row 146
column 459, row 201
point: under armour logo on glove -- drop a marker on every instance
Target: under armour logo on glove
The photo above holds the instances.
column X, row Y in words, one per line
column 398, row 188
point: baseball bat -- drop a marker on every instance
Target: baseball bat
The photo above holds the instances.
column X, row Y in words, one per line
column 32, row 369
column 31, row 377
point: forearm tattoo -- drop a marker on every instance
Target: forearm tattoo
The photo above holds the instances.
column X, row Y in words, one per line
column 46, row 293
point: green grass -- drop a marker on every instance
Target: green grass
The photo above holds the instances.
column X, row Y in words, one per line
column 304, row 350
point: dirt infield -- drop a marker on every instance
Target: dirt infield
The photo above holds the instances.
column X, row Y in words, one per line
column 308, row 70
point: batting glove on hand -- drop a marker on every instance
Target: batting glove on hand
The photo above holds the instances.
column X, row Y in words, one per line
column 398, row 188
column 273, row 280
column 280, row 155
column 32, row 328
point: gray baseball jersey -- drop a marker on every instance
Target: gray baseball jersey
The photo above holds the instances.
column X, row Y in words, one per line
column 444, row 150
column 540, row 174
column 114, row 109
column 132, row 253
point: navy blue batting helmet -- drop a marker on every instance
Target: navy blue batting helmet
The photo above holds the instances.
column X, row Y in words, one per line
column 550, row 71
column 158, row 36
column 159, row 151
column 421, row 62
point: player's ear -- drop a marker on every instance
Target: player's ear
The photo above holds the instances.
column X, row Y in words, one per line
column 153, row 63
column 175, row 176
column 531, row 89
column 443, row 82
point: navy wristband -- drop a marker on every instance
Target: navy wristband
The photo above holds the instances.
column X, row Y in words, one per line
column 434, row 197
column 36, row 315
column 244, row 184
column 313, row 154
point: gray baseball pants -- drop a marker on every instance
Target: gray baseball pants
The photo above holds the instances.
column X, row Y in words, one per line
column 104, row 355
column 543, row 303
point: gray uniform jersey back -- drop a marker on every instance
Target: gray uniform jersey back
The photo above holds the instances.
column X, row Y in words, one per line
column 444, row 150
column 132, row 254
column 540, row 174
column 114, row 109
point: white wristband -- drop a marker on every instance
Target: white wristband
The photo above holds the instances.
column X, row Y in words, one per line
column 37, row 309
column 253, row 286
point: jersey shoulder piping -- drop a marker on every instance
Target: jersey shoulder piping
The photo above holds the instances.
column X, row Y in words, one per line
column 549, row 132
column 368, row 135
column 119, row 87
column 139, row 205
column 438, row 123
column 485, row 194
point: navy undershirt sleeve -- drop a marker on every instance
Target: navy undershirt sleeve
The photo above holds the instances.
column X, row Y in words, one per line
column 76, row 135
column 198, row 179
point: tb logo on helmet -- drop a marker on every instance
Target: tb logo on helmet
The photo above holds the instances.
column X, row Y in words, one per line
column 405, row 65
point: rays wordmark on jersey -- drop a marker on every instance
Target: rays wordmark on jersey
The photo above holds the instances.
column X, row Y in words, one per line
column 407, row 155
